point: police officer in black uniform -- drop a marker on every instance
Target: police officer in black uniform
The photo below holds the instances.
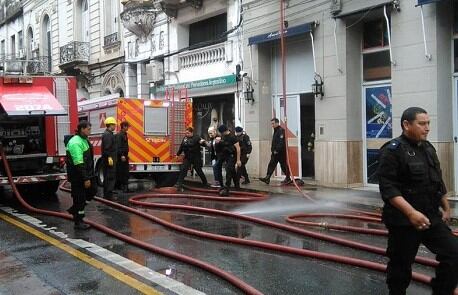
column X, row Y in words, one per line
column 416, row 208
column 245, row 151
column 278, row 149
column 109, row 157
column 228, row 151
column 190, row 146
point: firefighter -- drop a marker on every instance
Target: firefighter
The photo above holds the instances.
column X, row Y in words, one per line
column 80, row 172
column 278, row 149
column 109, row 157
column 416, row 209
column 228, row 151
column 245, row 151
column 122, row 161
column 190, row 146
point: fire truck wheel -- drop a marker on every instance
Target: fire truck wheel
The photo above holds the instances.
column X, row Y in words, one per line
column 42, row 189
column 166, row 179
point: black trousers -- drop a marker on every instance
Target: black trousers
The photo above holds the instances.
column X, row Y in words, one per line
column 274, row 160
column 242, row 170
column 109, row 178
column 403, row 243
column 196, row 164
column 231, row 172
column 78, row 194
column 122, row 173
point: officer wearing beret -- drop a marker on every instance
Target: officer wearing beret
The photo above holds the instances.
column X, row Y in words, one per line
column 416, row 208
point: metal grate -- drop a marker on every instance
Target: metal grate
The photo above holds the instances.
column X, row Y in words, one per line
column 62, row 122
column 156, row 121
column 179, row 125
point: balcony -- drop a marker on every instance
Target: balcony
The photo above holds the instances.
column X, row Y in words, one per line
column 10, row 10
column 19, row 64
column 74, row 53
column 111, row 41
column 203, row 56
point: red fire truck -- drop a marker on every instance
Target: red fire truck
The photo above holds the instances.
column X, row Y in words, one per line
column 35, row 115
column 156, row 130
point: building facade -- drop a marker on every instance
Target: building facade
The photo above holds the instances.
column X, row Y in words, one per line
column 375, row 59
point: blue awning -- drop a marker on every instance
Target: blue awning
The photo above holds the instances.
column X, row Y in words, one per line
column 292, row 31
column 423, row 2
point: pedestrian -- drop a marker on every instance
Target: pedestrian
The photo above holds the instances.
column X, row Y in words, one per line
column 217, row 168
column 245, row 151
column 109, row 157
column 80, row 172
column 122, row 161
column 228, row 152
column 278, row 150
column 190, row 146
column 416, row 209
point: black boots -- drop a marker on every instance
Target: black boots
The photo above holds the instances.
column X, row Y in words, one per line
column 286, row 181
column 266, row 180
column 80, row 225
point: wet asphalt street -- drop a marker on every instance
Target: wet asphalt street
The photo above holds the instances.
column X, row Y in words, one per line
column 64, row 261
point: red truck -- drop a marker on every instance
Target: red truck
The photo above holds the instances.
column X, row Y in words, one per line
column 35, row 115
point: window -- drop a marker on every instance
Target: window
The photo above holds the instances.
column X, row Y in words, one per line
column 111, row 17
column 208, row 29
column 376, row 51
column 20, row 41
column 2, row 49
column 13, row 45
column 375, row 34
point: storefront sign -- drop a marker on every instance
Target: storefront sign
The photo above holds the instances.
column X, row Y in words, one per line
column 423, row 2
column 222, row 81
column 289, row 32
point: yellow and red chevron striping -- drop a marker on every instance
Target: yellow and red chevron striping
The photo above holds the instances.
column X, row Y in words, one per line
column 140, row 148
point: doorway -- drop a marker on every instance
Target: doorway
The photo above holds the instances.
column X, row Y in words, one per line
column 455, row 133
column 307, row 118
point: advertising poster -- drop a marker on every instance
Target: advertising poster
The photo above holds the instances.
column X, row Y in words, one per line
column 378, row 112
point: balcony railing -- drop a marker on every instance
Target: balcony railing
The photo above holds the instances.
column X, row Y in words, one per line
column 203, row 56
column 111, row 40
column 20, row 64
column 74, row 53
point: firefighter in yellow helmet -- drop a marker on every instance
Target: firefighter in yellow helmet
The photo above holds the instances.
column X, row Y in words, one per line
column 109, row 157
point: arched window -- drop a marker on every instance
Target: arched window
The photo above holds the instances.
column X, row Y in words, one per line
column 29, row 43
column 82, row 25
column 111, row 17
column 46, row 49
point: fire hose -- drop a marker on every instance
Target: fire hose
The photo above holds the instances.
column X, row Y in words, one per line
column 171, row 254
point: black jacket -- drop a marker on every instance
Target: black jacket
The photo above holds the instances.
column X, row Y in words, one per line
column 412, row 171
column 122, row 144
column 245, row 143
column 225, row 147
column 278, row 140
column 109, row 145
column 190, row 146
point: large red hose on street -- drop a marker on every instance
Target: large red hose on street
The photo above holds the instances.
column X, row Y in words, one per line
column 174, row 255
column 348, row 243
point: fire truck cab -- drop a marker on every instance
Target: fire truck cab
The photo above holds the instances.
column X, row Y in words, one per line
column 35, row 115
column 155, row 133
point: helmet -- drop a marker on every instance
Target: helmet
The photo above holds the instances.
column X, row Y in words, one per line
column 110, row 120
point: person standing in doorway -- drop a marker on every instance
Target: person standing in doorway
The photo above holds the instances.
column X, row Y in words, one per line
column 122, row 161
column 228, row 151
column 80, row 173
column 217, row 169
column 109, row 157
column 245, row 151
column 190, row 146
column 278, row 150
column 416, row 209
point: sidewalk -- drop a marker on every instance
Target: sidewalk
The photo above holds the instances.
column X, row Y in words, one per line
column 368, row 197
